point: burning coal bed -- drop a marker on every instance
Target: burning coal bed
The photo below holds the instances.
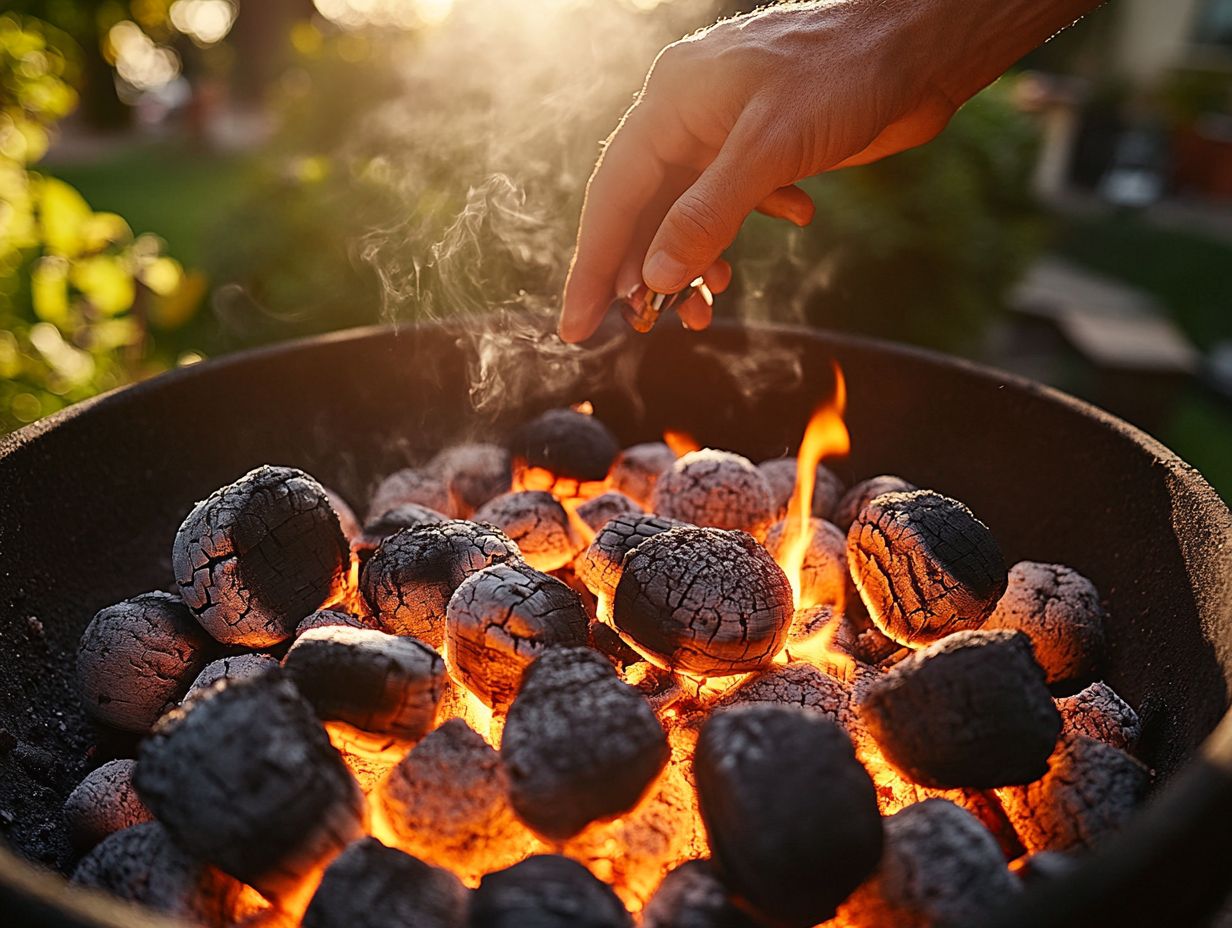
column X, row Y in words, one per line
column 561, row 683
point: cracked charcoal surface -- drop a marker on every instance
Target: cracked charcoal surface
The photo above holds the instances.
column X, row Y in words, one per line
column 546, row 891
column 1099, row 713
column 537, row 524
column 1089, row 792
column 568, row 444
column 637, row 468
column 330, row 618
column 605, row 640
column 692, row 896
column 780, row 474
column 235, row 667
column 409, row 485
column 924, row 566
column 474, row 473
column 406, row 515
column 717, row 489
column 246, row 779
column 500, row 620
column 789, row 849
column 347, row 520
column 447, row 801
column 1059, row 610
column 971, row 710
column 379, row 683
column 598, row 511
column 141, row 864
column 370, row 885
column 823, row 575
column 579, row 745
column 600, row 565
column 137, row 658
column 102, row 803
column 796, row 684
column 861, row 494
column 258, row 555
column 703, row 601
column 408, row 580
column 940, row 867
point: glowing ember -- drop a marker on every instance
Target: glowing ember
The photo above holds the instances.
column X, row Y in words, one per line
column 681, row 443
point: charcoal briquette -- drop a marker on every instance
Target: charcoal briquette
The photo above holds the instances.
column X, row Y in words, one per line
column 718, row 489
column 600, row 565
column 693, row 896
column 103, row 803
column 823, row 572
column 637, row 468
column 1098, row 712
column 562, row 447
column 781, row 473
column 235, row 667
column 406, row 515
column 411, row 485
column 861, row 494
column 474, row 473
column 537, row 523
column 546, row 891
column 597, row 511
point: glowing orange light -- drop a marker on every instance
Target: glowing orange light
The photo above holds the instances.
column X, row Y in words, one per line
column 585, row 534
column 681, row 443
column 586, row 408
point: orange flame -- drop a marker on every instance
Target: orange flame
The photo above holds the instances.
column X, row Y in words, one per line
column 681, row 443
column 585, row 534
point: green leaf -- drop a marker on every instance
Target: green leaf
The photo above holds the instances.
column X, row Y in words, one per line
column 64, row 213
column 49, row 290
column 106, row 282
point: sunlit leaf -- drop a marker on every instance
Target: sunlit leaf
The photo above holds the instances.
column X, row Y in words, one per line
column 63, row 212
column 162, row 275
column 49, row 290
column 102, row 229
column 177, row 307
column 106, row 282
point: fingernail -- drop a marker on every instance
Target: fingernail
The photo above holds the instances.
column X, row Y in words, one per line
column 628, row 282
column 664, row 273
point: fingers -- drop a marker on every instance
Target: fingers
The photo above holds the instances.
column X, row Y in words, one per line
column 718, row 276
column 695, row 312
column 790, row 203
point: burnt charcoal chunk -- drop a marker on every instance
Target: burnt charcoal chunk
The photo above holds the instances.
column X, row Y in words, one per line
column 382, row 684
column 1099, row 713
column 258, row 555
column 791, row 814
column 823, row 572
column 142, row 865
column 1088, row 794
column 474, row 473
column 331, row 618
column 409, row 486
column 940, row 867
column 703, row 601
column 236, row 667
column 971, row 710
column 780, row 474
column 599, row 510
column 637, row 468
column 370, row 885
column 137, row 658
column 408, row 580
column 924, row 565
column 717, row 489
column 796, row 684
column 579, row 744
column 447, row 801
column 546, row 891
column 1059, row 610
column 599, row 567
column 103, row 803
column 500, row 620
column 566, row 444
column 347, row 520
column 407, row 515
column 537, row 524
column 692, row 896
column 246, row 779
column 863, row 493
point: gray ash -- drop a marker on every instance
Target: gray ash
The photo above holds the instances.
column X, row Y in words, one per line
column 823, row 574
column 800, row 685
column 693, row 896
column 780, row 474
column 546, row 891
column 703, row 601
column 406, row 515
column 473, row 473
column 637, row 468
column 502, row 618
column 333, row 618
column 410, row 485
column 235, row 667
column 1098, row 712
column 599, row 510
column 103, row 803
column 717, row 489
column 861, row 494
column 258, row 555
column 599, row 567
column 137, row 658
column 563, row 446
column 537, row 523
column 924, row 566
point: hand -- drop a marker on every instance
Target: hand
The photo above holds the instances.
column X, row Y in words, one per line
column 730, row 119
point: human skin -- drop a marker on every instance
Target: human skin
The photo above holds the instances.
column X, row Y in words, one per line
column 731, row 118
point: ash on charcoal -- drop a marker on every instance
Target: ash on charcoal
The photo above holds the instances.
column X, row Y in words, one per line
column 780, row 475
column 861, row 494
column 637, row 468
column 447, row 801
column 347, row 520
column 717, row 489
column 579, row 744
column 823, row 573
column 1098, row 712
column 103, row 803
column 370, row 885
column 537, row 524
column 703, row 601
column 600, row 565
column 789, row 849
column 500, row 620
column 473, row 473
column 800, row 685
column 1087, row 795
column 137, row 658
column 332, row 618
column 971, row 710
column 409, row 485
column 924, row 566
column 546, row 891
column 1059, row 610
column 410, row 577
column 693, row 896
column 386, row 686
column 235, row 667
column 1043, row 867
column 599, row 510
column 407, row 515
column 246, row 779
column 258, row 555
column 561, row 446
column 940, row 867
column 142, row 864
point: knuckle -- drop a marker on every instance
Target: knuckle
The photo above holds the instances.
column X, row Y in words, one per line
column 698, row 224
